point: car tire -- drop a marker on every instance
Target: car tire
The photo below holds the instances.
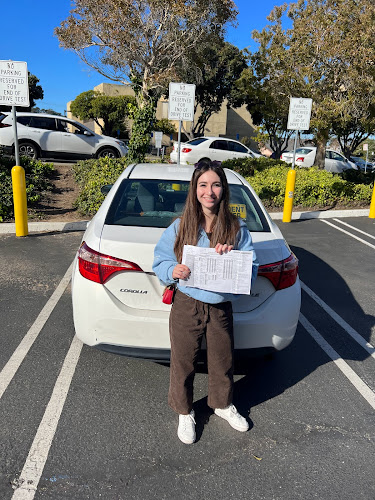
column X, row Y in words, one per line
column 107, row 151
column 28, row 149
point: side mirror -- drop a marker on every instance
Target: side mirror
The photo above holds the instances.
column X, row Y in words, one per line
column 106, row 189
column 86, row 132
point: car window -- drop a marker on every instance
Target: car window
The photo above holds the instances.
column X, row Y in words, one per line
column 24, row 120
column 237, row 147
column 67, row 126
column 302, row 151
column 43, row 122
column 336, row 156
column 223, row 145
column 156, row 203
column 198, row 140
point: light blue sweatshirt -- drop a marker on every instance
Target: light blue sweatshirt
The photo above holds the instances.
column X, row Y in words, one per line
column 165, row 261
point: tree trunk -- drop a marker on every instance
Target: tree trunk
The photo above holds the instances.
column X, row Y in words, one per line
column 321, row 141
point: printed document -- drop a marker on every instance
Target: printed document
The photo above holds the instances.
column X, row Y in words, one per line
column 227, row 273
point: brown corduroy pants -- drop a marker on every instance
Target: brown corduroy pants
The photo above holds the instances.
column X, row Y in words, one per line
column 189, row 320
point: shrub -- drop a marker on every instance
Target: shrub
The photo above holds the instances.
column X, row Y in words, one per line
column 314, row 188
column 37, row 183
column 247, row 166
column 92, row 175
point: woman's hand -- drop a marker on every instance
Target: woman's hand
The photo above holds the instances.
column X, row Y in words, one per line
column 223, row 248
column 181, row 272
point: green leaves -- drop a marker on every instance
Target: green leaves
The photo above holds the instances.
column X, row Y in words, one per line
column 37, row 175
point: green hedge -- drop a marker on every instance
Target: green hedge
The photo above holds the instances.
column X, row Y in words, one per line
column 37, row 183
column 314, row 188
column 91, row 175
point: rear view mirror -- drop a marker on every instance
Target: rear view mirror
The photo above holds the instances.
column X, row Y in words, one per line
column 106, row 189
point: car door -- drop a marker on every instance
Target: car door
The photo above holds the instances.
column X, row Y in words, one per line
column 238, row 150
column 43, row 131
column 75, row 139
column 335, row 162
column 219, row 150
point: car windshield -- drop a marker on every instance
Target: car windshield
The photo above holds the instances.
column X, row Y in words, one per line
column 156, row 203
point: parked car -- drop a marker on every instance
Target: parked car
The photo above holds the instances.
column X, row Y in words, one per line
column 210, row 149
column 305, row 157
column 361, row 164
column 117, row 298
column 49, row 136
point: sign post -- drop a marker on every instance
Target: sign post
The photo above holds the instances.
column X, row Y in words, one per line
column 158, row 139
column 14, row 91
column 365, row 148
column 298, row 119
column 181, row 106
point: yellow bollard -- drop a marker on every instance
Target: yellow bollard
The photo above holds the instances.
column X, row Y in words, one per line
column 372, row 206
column 289, row 195
column 19, row 200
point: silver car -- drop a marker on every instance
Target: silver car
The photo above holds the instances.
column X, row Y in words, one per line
column 49, row 136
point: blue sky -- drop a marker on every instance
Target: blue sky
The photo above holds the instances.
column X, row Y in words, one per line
column 27, row 35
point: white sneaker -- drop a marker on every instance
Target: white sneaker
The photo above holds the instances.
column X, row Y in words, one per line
column 186, row 428
column 232, row 416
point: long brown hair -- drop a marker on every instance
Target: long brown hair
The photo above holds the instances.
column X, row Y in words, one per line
column 225, row 225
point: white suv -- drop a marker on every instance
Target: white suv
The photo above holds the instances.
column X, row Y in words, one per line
column 49, row 136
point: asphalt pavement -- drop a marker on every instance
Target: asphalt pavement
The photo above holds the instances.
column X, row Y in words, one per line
column 79, row 423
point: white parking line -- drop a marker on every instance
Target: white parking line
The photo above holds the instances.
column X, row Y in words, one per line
column 37, row 457
column 347, row 232
column 349, row 373
column 355, row 228
column 14, row 362
column 353, row 333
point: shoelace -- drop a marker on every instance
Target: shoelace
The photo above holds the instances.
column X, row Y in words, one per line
column 185, row 419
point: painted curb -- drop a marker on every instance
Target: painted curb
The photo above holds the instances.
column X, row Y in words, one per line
column 40, row 227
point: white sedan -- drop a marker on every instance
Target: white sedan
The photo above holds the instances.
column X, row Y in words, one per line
column 305, row 157
column 117, row 299
column 210, row 149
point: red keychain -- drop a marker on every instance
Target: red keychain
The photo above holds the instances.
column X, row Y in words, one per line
column 168, row 294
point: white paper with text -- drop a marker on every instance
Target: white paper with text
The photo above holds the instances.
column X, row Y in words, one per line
column 227, row 273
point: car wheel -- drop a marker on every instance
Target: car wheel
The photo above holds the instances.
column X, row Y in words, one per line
column 109, row 152
column 28, row 149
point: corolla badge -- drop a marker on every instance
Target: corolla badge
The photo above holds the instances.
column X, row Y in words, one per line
column 129, row 290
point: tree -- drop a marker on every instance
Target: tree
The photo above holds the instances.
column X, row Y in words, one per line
column 49, row 111
column 327, row 55
column 141, row 42
column 35, row 93
column 108, row 112
column 268, row 112
column 215, row 68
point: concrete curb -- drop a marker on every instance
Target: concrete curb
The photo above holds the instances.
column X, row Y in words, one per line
column 323, row 214
column 40, row 227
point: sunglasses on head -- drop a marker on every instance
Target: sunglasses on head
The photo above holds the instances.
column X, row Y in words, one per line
column 202, row 164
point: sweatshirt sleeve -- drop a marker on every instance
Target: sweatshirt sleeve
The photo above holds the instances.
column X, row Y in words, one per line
column 164, row 257
column 245, row 243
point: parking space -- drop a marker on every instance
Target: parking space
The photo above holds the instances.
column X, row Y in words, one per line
column 77, row 423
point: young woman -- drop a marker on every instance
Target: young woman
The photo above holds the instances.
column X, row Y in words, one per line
column 206, row 222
